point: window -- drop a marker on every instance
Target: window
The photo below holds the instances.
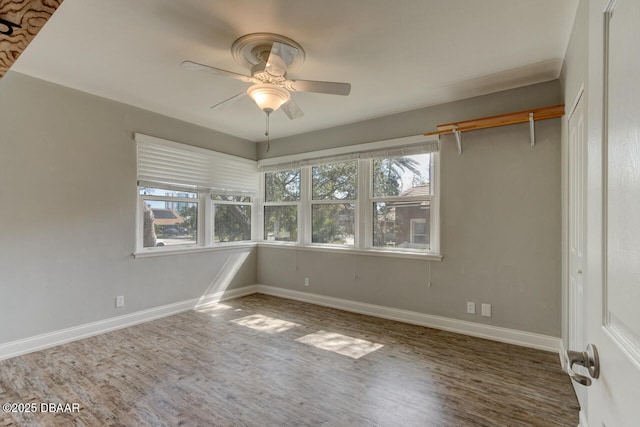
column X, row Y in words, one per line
column 281, row 202
column 382, row 198
column 419, row 233
column 170, row 218
column 191, row 197
column 402, row 201
column 377, row 196
column 232, row 218
column 334, row 189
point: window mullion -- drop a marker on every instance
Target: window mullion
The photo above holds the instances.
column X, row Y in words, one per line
column 363, row 207
column 205, row 219
column 333, row 201
column 304, row 208
column 280, row 203
column 391, row 199
column 257, row 216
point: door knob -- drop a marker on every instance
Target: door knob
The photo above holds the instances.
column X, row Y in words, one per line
column 589, row 359
column 579, row 272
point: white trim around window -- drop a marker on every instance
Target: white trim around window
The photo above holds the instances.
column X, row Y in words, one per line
column 160, row 166
column 178, row 181
column 364, row 154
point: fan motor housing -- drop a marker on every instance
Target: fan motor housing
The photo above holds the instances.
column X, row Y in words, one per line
column 253, row 49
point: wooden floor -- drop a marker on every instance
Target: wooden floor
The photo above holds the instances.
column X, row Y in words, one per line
column 239, row 363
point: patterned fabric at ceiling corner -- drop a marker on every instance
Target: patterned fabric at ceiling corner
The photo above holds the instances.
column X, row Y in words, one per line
column 20, row 21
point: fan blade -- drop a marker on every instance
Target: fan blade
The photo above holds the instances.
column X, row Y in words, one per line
column 190, row 65
column 292, row 110
column 331, row 88
column 280, row 57
column 229, row 101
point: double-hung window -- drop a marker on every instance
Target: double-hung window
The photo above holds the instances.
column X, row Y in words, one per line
column 401, row 201
column 334, row 191
column 169, row 217
column 231, row 218
column 190, row 197
column 380, row 196
column 281, row 205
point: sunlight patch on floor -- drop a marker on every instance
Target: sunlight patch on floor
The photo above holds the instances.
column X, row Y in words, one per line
column 341, row 344
column 213, row 309
column 265, row 323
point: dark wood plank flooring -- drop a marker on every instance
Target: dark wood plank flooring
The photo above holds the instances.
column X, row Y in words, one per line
column 202, row 368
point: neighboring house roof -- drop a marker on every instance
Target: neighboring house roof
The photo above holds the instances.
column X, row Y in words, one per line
column 166, row 217
column 419, row 190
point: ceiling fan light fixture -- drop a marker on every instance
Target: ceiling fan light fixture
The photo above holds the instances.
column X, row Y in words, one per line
column 268, row 97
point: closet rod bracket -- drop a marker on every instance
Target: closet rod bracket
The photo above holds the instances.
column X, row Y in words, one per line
column 458, row 135
column 532, row 131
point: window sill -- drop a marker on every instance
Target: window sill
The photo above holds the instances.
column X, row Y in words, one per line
column 164, row 251
column 370, row 252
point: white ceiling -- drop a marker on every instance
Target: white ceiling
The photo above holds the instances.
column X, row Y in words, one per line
column 398, row 55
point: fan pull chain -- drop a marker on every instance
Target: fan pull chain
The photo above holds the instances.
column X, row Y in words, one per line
column 266, row 133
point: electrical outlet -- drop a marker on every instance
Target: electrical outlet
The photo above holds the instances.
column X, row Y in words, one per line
column 119, row 301
column 306, row 281
column 471, row 307
column 486, row 310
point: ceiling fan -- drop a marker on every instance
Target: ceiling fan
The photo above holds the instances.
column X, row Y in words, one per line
column 270, row 57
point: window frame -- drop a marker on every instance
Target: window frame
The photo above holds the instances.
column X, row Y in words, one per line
column 433, row 219
column 212, row 173
column 363, row 204
column 206, row 222
column 311, row 202
column 200, row 200
column 264, row 203
column 363, row 239
column 212, row 211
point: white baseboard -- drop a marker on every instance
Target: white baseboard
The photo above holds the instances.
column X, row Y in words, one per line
column 495, row 333
column 52, row 339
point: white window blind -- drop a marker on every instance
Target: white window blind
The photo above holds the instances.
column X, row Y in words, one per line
column 162, row 162
column 406, row 146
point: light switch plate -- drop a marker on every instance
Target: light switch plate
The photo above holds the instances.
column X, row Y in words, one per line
column 486, row 310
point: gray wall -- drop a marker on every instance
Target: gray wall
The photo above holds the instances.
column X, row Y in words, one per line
column 500, row 221
column 417, row 121
column 68, row 212
column 67, row 223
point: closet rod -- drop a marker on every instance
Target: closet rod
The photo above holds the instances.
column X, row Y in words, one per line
column 500, row 120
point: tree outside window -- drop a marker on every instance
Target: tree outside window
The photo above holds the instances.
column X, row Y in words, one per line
column 396, row 197
column 282, row 196
column 334, row 193
column 232, row 218
column 402, row 201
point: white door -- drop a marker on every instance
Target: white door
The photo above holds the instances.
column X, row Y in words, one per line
column 576, row 238
column 613, row 248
